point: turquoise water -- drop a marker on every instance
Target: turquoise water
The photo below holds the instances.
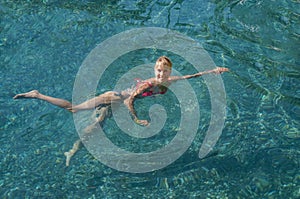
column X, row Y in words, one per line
column 43, row 44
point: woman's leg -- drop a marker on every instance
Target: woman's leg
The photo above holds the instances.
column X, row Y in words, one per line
column 105, row 98
column 56, row 101
column 103, row 111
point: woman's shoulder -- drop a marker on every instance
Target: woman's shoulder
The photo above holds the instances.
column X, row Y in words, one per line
column 151, row 80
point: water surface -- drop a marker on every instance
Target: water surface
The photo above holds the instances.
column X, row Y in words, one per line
column 43, row 44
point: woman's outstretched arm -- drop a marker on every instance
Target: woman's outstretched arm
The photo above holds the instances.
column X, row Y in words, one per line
column 217, row 70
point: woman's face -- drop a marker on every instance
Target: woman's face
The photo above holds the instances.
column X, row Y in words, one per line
column 162, row 73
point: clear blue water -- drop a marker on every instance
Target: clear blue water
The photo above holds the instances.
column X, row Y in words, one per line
column 43, row 44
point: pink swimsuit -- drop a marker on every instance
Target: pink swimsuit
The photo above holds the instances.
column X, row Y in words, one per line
column 152, row 90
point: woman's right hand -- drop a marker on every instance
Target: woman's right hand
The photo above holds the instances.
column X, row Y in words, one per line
column 141, row 122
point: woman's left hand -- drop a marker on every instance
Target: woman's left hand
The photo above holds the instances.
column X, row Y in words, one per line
column 220, row 70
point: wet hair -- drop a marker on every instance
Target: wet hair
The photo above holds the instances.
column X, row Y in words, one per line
column 163, row 61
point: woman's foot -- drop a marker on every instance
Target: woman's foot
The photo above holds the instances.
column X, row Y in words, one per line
column 70, row 153
column 68, row 158
column 30, row 94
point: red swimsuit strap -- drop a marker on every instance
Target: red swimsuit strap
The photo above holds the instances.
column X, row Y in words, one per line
column 150, row 92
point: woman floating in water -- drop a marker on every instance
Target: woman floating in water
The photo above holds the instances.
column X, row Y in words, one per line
column 153, row 86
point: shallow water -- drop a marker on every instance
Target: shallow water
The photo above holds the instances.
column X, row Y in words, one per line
column 43, row 45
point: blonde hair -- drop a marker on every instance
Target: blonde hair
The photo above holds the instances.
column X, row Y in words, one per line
column 163, row 61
